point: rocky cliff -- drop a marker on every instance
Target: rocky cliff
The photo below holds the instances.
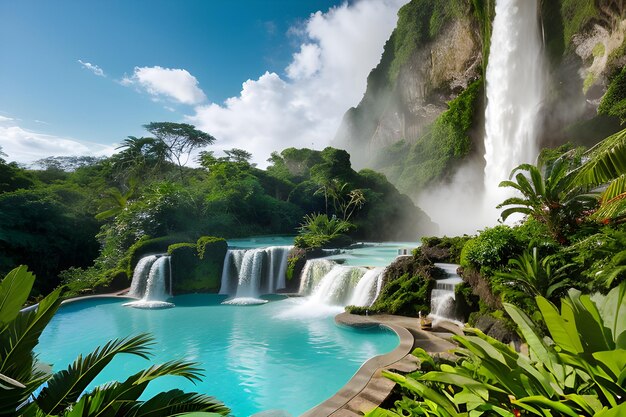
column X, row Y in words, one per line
column 423, row 109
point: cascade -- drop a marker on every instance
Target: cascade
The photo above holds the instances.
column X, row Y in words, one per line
column 324, row 282
column 368, row 288
column 442, row 297
column 336, row 287
column 248, row 273
column 312, row 273
column 152, row 284
column 515, row 89
column 140, row 274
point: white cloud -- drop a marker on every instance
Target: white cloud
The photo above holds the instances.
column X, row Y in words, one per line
column 93, row 68
column 175, row 84
column 25, row 146
column 4, row 119
column 326, row 77
column 306, row 62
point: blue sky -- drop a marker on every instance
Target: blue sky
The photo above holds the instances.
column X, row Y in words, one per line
column 76, row 77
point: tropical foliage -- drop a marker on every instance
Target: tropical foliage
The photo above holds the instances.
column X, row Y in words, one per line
column 578, row 371
column 606, row 166
column 550, row 194
column 21, row 373
column 534, row 276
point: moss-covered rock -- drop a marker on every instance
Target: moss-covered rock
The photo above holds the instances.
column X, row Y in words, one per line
column 197, row 267
column 148, row 246
column 465, row 301
column 444, row 249
column 406, row 291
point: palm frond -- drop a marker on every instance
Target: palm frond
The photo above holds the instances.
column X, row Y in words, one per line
column 176, row 402
column 65, row 387
column 606, row 161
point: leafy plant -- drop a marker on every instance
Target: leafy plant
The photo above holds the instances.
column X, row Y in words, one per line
column 550, row 194
column 21, row 374
column 606, row 165
column 534, row 276
column 491, row 248
column 578, row 371
column 319, row 230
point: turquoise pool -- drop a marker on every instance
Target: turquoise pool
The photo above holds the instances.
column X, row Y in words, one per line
column 272, row 356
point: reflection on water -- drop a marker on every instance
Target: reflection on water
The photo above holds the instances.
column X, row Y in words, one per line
column 255, row 357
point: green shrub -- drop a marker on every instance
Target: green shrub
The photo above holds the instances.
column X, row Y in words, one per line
column 211, row 242
column 318, row 230
column 192, row 272
column 492, row 248
column 444, row 249
column 146, row 246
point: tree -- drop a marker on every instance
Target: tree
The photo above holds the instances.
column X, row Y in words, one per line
column 238, row 155
column 21, row 374
column 66, row 163
column 549, row 194
column 179, row 139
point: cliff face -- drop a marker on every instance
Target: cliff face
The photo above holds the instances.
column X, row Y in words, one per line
column 418, row 118
column 423, row 67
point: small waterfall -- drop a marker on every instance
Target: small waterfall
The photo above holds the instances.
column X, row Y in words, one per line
column 515, row 91
column 336, row 287
column 368, row 288
column 327, row 283
column 152, row 283
column 140, row 274
column 248, row 273
column 312, row 273
column 442, row 297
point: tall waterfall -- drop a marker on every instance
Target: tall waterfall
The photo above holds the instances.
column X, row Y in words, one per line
column 149, row 282
column 328, row 283
column 442, row 297
column 515, row 91
column 248, row 273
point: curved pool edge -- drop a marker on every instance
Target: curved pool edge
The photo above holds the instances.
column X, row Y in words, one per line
column 115, row 295
column 358, row 383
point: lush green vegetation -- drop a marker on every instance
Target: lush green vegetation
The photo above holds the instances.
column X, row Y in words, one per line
column 85, row 222
column 22, row 374
column 433, row 156
column 578, row 371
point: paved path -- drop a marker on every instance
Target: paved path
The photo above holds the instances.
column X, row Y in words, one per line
column 368, row 388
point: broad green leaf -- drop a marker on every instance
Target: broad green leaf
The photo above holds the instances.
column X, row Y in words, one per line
column 589, row 403
column 619, row 411
column 564, row 334
column 544, row 402
column 614, row 360
column 613, row 310
column 14, row 291
column 536, row 346
column 381, row 412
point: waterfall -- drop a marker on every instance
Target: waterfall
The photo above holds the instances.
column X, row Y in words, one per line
column 442, row 298
column 368, row 288
column 151, row 283
column 324, row 282
column 312, row 273
column 140, row 274
column 248, row 273
column 515, row 90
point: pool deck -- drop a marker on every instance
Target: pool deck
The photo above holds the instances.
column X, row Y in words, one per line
column 368, row 388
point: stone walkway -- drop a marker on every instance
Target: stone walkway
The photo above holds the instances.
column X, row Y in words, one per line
column 368, row 388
